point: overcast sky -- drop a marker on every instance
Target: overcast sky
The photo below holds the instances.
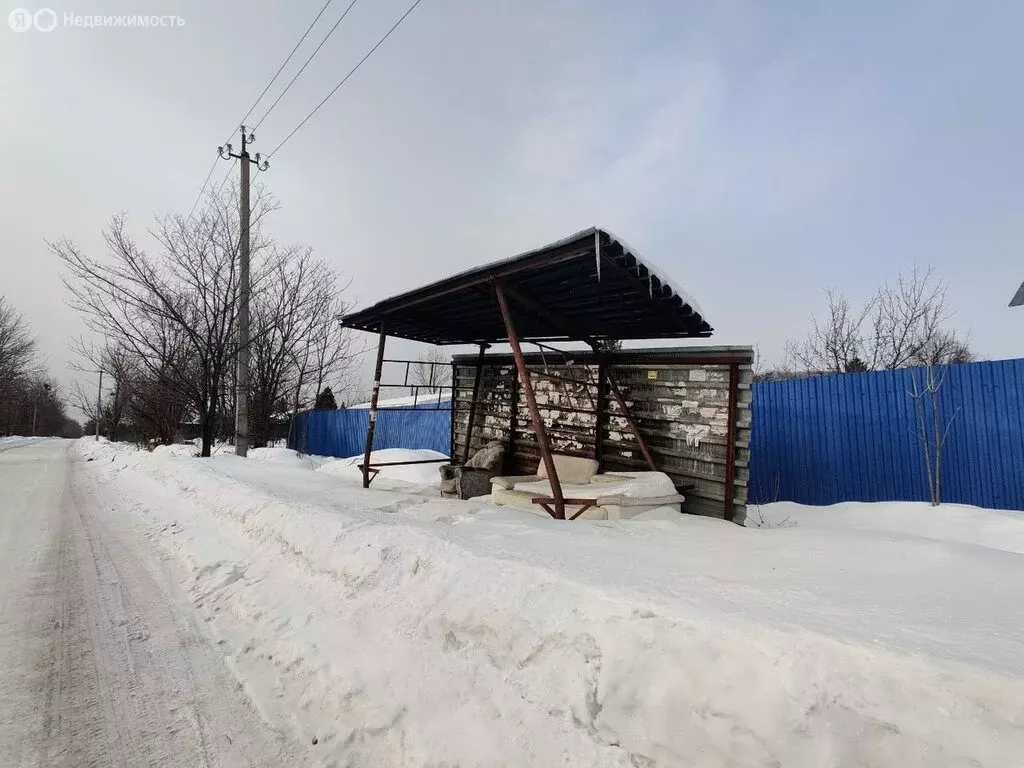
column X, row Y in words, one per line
column 758, row 151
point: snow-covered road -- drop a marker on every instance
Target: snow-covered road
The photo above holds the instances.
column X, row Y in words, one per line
column 159, row 609
column 103, row 660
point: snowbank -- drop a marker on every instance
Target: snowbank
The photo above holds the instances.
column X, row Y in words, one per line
column 422, row 475
column 177, row 449
column 274, row 454
column 287, row 456
column 13, row 440
column 995, row 529
column 400, row 630
column 192, row 448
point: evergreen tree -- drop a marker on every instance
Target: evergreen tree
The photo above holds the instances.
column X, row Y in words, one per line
column 325, row 401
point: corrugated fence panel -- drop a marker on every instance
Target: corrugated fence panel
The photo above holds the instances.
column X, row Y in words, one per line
column 343, row 433
column 854, row 437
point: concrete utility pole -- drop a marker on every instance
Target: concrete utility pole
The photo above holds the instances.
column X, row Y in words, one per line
column 35, row 409
column 99, row 404
column 245, row 288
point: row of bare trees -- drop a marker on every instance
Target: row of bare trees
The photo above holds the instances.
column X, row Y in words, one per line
column 166, row 318
column 30, row 401
column 902, row 325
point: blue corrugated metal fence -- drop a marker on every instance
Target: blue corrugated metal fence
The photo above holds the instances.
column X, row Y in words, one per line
column 343, row 433
column 854, row 437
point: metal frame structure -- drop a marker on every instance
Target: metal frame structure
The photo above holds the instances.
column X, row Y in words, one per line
column 589, row 287
column 370, row 471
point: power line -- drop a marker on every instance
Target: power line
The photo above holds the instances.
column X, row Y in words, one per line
column 203, row 187
column 345, row 79
column 263, row 93
column 285, row 62
column 225, row 179
column 303, row 69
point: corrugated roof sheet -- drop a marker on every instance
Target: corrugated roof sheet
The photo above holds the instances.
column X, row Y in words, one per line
column 587, row 285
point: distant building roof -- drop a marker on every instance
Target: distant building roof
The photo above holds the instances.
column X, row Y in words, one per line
column 1018, row 297
column 424, row 399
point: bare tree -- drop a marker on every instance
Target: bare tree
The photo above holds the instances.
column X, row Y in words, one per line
column 331, row 350
column 188, row 291
column 902, row 324
column 34, row 406
column 944, row 348
column 763, row 370
column 433, row 370
column 326, row 356
column 18, row 350
column 30, row 401
column 157, row 409
column 85, row 402
column 932, row 425
column 832, row 343
column 119, row 368
column 157, row 405
column 19, row 369
column 299, row 344
column 172, row 318
column 906, row 318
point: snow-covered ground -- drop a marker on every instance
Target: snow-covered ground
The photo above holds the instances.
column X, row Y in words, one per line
column 15, row 440
column 414, row 478
column 104, row 660
column 995, row 529
column 398, row 628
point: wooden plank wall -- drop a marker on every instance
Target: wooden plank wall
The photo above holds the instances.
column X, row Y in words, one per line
column 681, row 410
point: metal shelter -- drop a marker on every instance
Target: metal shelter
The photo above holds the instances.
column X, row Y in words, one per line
column 589, row 287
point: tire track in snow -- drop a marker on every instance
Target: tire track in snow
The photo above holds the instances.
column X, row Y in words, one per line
column 123, row 672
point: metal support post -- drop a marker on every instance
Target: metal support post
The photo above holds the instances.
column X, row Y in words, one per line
column 372, row 424
column 628, row 416
column 472, row 404
column 531, row 402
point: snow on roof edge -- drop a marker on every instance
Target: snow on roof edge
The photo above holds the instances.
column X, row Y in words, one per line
column 658, row 272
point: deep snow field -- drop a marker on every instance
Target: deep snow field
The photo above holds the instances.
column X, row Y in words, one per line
column 400, row 629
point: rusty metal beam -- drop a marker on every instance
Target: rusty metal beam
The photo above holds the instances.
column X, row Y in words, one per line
column 472, row 403
column 627, row 414
column 454, row 405
column 531, row 402
column 406, row 463
column 730, row 442
column 372, row 423
column 464, row 329
column 543, row 501
column 562, row 323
